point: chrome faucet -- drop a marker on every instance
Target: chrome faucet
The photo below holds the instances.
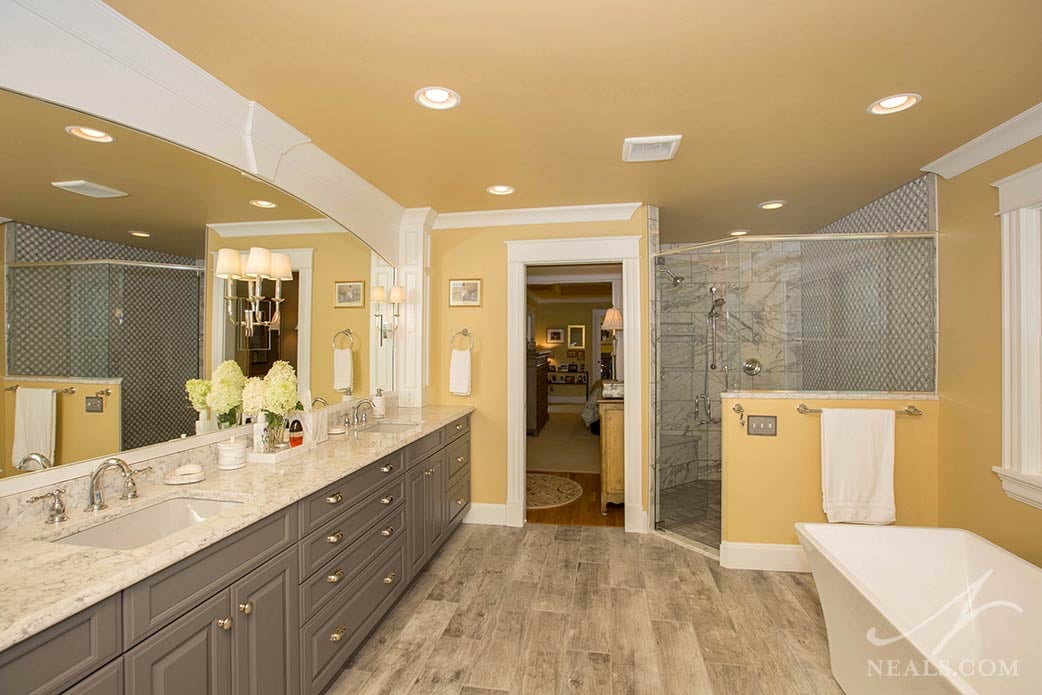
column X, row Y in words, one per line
column 95, row 501
column 56, row 509
column 319, row 399
column 357, row 419
column 39, row 459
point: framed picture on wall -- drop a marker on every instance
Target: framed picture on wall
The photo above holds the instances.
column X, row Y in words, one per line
column 464, row 292
column 349, row 294
column 576, row 337
column 554, row 336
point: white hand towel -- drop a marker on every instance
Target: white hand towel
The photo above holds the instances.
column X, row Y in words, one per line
column 857, row 465
column 343, row 369
column 35, row 420
column 459, row 373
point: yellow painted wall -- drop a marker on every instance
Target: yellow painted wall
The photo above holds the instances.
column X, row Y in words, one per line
column 481, row 253
column 81, row 435
column 970, row 359
column 337, row 257
column 770, row 483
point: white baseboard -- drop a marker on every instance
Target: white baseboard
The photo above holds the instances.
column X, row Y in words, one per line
column 773, row 557
column 486, row 514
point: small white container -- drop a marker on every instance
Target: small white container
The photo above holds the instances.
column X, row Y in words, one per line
column 231, row 455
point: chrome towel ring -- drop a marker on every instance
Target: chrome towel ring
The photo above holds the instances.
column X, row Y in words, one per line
column 465, row 333
column 350, row 339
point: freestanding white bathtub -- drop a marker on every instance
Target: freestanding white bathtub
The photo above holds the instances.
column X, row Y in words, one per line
column 925, row 610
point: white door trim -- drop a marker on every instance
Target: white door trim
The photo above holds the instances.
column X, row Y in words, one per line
column 624, row 249
column 301, row 260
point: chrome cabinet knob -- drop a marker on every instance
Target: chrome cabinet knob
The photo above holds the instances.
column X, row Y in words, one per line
column 339, row 634
column 335, row 498
column 335, row 577
column 460, row 459
column 386, row 469
column 387, row 500
column 225, row 624
column 389, row 579
column 335, row 538
column 246, row 608
column 460, row 501
column 387, row 531
column 459, row 426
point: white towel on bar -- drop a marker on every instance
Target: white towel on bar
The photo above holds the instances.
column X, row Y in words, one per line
column 343, row 369
column 857, row 465
column 35, row 423
column 459, row 373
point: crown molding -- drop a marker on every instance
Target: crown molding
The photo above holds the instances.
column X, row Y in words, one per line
column 611, row 212
column 1021, row 190
column 320, row 225
column 1004, row 137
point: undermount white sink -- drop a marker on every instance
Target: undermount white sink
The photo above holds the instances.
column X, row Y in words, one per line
column 150, row 524
column 388, row 428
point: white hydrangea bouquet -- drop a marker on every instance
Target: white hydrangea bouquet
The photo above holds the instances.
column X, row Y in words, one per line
column 225, row 395
column 273, row 396
column 197, row 390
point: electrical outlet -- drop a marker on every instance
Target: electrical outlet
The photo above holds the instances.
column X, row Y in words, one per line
column 762, row 425
column 95, row 404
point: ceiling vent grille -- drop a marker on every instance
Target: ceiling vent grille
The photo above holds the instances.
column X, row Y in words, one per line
column 657, row 148
column 89, row 189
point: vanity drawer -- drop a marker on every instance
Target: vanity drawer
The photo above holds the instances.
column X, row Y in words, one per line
column 457, row 429
column 325, row 542
column 424, row 447
column 459, row 457
column 152, row 603
column 63, row 654
column 327, row 642
column 327, row 584
column 333, row 499
column 458, row 500
column 107, row 680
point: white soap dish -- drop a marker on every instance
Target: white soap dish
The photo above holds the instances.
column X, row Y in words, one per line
column 337, row 430
column 184, row 479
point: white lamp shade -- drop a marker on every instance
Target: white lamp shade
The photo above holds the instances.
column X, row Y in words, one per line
column 612, row 320
column 229, row 264
column 281, row 268
column 397, row 294
column 378, row 294
column 258, row 263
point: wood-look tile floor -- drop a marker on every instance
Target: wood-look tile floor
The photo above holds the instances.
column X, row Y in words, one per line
column 592, row 611
column 692, row 509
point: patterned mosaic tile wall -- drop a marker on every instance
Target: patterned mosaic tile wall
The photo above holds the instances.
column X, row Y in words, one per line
column 110, row 320
column 910, row 208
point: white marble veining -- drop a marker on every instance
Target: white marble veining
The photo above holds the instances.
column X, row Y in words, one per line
column 45, row 582
column 833, row 395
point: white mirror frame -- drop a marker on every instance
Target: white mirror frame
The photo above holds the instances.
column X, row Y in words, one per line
column 1020, row 205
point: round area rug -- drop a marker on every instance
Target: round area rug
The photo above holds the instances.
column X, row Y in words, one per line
column 545, row 491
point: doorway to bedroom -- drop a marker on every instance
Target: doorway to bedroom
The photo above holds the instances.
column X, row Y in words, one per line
column 569, row 357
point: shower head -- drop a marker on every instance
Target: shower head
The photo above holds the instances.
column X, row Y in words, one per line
column 714, row 309
column 677, row 279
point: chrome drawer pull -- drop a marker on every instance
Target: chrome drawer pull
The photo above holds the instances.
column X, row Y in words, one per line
column 339, row 634
column 389, row 579
column 386, row 469
column 335, row 577
column 335, row 538
column 335, row 498
column 460, row 501
column 429, row 472
column 460, row 459
column 224, row 623
column 246, row 608
column 459, row 426
column 387, row 531
column 387, row 500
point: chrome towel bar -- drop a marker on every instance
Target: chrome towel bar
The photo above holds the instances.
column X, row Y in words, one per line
column 802, row 409
column 67, row 389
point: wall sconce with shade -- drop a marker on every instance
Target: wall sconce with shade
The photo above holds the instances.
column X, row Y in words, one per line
column 613, row 322
column 261, row 264
column 378, row 296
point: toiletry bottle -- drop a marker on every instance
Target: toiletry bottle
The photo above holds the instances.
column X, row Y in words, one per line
column 296, row 433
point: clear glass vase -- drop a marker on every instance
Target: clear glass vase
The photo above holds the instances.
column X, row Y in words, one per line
column 274, row 426
column 228, row 419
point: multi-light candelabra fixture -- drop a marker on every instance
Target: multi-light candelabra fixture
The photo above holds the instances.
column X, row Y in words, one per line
column 378, row 296
column 261, row 265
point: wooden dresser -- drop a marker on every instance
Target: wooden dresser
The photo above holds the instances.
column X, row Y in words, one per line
column 537, row 396
column 613, row 469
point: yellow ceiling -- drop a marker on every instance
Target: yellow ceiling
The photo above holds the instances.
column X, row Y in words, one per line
column 173, row 192
column 770, row 95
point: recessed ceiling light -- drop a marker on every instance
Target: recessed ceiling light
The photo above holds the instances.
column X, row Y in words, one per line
column 140, row 235
column 772, row 204
column 738, row 232
column 439, row 98
column 263, row 204
column 500, row 189
column 894, row 104
column 89, row 134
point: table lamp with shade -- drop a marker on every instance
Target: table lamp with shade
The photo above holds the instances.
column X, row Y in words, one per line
column 613, row 322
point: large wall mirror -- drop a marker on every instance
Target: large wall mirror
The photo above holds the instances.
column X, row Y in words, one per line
column 112, row 300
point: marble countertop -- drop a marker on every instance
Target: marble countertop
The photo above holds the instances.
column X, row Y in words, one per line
column 833, row 395
column 45, row 582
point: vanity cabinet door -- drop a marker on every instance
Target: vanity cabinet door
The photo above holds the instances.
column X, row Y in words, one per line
column 266, row 632
column 191, row 655
column 417, row 529
column 435, row 497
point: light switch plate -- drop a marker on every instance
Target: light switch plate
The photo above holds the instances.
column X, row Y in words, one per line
column 95, row 404
column 762, row 425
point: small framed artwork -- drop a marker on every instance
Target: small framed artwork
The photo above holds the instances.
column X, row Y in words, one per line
column 554, row 336
column 464, row 292
column 581, row 378
column 571, row 353
column 569, row 379
column 349, row 294
column 605, row 337
column 577, row 337
column 573, row 367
